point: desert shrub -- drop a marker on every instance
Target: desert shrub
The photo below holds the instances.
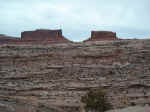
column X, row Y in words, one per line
column 96, row 101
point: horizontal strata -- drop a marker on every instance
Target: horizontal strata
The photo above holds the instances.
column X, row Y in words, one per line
column 54, row 77
column 45, row 36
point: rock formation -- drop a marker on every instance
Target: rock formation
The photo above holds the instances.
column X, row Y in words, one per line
column 53, row 77
column 43, row 36
column 8, row 39
column 40, row 35
column 102, row 36
column 132, row 109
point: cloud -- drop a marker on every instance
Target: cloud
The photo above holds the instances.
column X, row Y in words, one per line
column 77, row 18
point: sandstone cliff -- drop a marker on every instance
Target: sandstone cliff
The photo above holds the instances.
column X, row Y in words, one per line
column 35, row 78
column 102, row 36
column 8, row 39
column 43, row 36
column 40, row 36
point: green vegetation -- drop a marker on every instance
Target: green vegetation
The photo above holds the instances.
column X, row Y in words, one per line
column 96, row 101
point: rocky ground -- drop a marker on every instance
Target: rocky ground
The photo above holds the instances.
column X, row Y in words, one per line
column 49, row 78
column 133, row 109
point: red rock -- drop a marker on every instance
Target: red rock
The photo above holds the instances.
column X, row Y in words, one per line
column 4, row 39
column 102, row 36
column 43, row 36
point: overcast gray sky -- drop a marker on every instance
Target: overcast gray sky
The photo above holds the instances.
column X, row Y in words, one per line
column 129, row 18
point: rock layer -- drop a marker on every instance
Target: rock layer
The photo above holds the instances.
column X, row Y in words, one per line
column 41, row 36
column 102, row 36
column 8, row 39
column 54, row 77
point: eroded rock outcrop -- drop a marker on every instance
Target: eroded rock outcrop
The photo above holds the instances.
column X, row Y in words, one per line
column 102, row 36
column 133, row 109
column 57, row 75
column 4, row 39
column 42, row 35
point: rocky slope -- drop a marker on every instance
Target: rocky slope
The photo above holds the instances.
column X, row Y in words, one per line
column 49, row 78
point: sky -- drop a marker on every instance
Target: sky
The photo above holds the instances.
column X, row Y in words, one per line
column 77, row 18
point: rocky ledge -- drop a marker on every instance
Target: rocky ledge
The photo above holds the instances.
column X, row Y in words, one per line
column 49, row 78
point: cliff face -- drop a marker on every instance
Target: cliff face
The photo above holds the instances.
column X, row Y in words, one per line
column 102, row 36
column 35, row 78
column 43, row 36
column 7, row 39
column 40, row 35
